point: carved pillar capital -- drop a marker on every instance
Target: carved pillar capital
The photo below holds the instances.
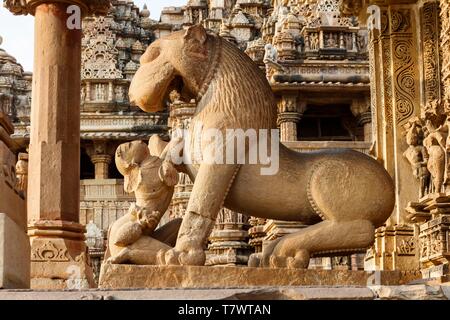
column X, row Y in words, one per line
column 24, row 7
column 287, row 103
column 289, row 117
column 360, row 106
column 288, row 125
column 101, row 156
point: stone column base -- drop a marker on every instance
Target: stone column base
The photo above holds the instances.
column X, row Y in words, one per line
column 394, row 249
column 59, row 258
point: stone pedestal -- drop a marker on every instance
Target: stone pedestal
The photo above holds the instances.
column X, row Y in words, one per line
column 275, row 229
column 256, row 233
column 433, row 212
column 183, row 277
column 394, row 249
column 228, row 241
column 59, row 257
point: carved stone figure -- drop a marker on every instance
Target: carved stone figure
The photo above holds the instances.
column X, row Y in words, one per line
column 417, row 154
column 270, row 54
column 133, row 238
column 345, row 194
column 434, row 142
column 314, row 41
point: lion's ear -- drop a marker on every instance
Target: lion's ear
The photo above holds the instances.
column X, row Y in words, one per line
column 196, row 32
column 132, row 179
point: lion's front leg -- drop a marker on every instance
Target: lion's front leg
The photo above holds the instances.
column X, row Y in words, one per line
column 208, row 194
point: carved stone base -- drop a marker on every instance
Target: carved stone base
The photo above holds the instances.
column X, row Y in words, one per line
column 57, row 262
column 394, row 249
column 134, row 276
column 275, row 229
column 432, row 212
column 228, row 247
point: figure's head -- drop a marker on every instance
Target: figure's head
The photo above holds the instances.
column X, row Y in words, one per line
column 130, row 154
column 130, row 157
column 182, row 54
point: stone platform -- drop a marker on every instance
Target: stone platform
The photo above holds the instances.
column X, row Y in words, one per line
column 405, row 292
column 194, row 277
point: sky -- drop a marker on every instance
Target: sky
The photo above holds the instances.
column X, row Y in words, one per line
column 17, row 31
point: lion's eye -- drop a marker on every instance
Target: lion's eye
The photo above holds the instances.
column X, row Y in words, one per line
column 151, row 54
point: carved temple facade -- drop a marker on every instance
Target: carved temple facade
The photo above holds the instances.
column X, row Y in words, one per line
column 346, row 74
column 315, row 61
column 409, row 51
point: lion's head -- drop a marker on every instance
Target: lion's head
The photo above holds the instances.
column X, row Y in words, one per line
column 183, row 54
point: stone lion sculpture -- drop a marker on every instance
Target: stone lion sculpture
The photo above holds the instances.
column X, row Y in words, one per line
column 133, row 238
column 344, row 195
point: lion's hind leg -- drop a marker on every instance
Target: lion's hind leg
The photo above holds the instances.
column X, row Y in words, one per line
column 295, row 250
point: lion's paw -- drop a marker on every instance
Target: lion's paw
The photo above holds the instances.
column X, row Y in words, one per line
column 191, row 257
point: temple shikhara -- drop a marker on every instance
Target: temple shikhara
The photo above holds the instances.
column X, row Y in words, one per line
column 359, row 91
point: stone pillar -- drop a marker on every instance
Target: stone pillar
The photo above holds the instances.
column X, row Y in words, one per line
column 110, row 92
column 445, row 50
column 395, row 68
column 100, row 154
column 229, row 240
column 58, row 250
column 101, row 163
column 361, row 110
column 431, row 211
column 288, row 117
column 88, row 91
column 256, row 233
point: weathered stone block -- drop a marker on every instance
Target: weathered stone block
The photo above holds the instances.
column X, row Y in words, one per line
column 58, row 263
column 14, row 255
column 115, row 276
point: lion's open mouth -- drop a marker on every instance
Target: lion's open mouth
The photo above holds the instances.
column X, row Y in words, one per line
column 178, row 91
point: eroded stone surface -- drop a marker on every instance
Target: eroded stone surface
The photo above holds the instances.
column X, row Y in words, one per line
column 267, row 293
column 132, row 276
column 413, row 292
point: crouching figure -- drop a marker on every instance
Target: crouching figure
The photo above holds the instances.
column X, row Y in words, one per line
column 133, row 238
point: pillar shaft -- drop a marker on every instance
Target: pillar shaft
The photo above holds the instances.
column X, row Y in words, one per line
column 101, row 163
column 54, row 185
